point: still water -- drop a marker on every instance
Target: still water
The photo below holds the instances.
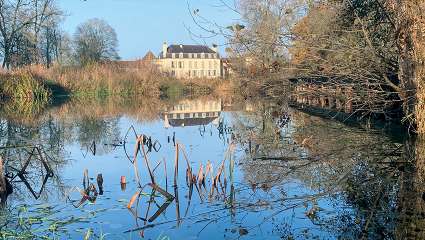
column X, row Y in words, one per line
column 273, row 173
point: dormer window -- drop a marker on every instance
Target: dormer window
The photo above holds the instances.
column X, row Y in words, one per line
column 181, row 55
column 173, row 55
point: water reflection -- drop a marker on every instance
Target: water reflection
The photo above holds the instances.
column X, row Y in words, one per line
column 288, row 174
column 198, row 112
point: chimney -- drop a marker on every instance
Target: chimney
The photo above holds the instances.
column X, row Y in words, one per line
column 164, row 49
column 214, row 48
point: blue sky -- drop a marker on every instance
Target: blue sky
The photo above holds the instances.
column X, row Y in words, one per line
column 143, row 25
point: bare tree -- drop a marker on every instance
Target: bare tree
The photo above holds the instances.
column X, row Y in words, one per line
column 95, row 41
column 21, row 22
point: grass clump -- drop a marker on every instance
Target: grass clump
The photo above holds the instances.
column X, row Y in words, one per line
column 23, row 86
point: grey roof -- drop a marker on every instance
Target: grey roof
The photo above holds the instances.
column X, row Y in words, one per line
column 189, row 49
column 191, row 121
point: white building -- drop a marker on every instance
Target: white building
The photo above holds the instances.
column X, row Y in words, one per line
column 190, row 61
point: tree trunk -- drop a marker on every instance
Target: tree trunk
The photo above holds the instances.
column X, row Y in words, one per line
column 411, row 38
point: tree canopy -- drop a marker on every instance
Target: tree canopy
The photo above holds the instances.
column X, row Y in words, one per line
column 95, row 41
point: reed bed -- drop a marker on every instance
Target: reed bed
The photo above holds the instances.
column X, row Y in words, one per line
column 105, row 78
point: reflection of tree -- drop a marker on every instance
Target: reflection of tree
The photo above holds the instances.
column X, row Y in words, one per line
column 100, row 132
column 364, row 171
column 17, row 147
column 411, row 202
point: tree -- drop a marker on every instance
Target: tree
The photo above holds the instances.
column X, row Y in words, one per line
column 411, row 37
column 95, row 41
column 21, row 22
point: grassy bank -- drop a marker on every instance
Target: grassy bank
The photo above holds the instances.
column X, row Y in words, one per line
column 23, row 93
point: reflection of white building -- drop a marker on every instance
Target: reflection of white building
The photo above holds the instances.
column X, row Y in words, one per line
column 193, row 113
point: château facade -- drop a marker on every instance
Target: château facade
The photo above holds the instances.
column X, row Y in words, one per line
column 190, row 61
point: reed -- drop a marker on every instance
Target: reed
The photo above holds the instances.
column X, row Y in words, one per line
column 176, row 165
column 23, row 86
column 105, row 78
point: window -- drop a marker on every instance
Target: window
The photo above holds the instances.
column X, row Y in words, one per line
column 189, row 73
column 209, row 73
column 202, row 73
column 214, row 73
column 173, row 55
column 210, row 64
column 196, row 64
column 180, row 64
column 190, row 64
column 172, row 64
column 181, row 55
column 173, row 73
column 202, row 64
column 194, row 73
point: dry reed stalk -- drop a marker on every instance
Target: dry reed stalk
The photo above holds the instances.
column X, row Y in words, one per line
column 86, row 180
column 162, row 191
column 197, row 189
column 188, row 176
column 184, row 155
column 157, row 165
column 209, row 169
column 176, row 195
column 159, row 211
column 136, row 151
column 176, row 165
column 125, row 141
column 165, row 172
column 142, row 233
column 132, row 199
column 147, row 161
column 189, row 168
column 201, row 177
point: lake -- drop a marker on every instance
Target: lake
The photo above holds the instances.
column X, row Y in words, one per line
column 245, row 170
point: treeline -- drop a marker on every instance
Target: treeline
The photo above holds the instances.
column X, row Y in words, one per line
column 30, row 33
column 374, row 48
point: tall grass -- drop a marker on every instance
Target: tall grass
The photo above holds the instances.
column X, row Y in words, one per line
column 122, row 79
column 23, row 86
column 23, row 94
